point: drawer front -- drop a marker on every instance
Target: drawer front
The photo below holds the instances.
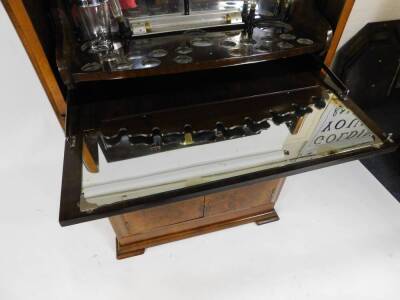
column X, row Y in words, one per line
column 148, row 219
column 241, row 198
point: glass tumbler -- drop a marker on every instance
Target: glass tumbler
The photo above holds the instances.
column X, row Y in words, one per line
column 95, row 22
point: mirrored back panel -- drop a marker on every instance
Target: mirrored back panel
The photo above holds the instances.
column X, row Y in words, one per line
column 169, row 15
column 274, row 138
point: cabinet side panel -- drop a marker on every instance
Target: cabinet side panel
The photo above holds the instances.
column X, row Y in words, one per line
column 27, row 33
column 35, row 48
column 341, row 24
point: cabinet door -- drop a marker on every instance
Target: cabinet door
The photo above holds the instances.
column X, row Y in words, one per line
column 158, row 217
column 257, row 123
column 253, row 195
column 284, row 137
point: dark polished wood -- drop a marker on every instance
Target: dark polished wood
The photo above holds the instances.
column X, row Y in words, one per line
column 203, row 58
column 113, row 103
column 201, row 61
column 307, row 19
column 202, row 119
column 72, row 181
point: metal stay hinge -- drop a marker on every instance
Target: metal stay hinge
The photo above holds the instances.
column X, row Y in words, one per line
column 390, row 137
column 71, row 124
column 342, row 90
column 71, row 141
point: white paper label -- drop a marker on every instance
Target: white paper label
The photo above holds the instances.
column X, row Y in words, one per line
column 339, row 128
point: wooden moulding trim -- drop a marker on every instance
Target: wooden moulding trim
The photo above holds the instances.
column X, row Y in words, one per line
column 344, row 16
column 23, row 25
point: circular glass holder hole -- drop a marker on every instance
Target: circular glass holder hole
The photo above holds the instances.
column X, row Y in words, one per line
column 306, row 42
column 201, row 42
column 91, row 67
column 183, row 50
column 287, row 37
column 268, row 31
column 183, row 59
column 135, row 55
column 148, row 63
column 285, row 45
column 124, row 66
column 232, row 33
column 267, row 40
column 248, row 41
column 228, row 44
column 237, row 53
column 158, row 53
column 263, row 48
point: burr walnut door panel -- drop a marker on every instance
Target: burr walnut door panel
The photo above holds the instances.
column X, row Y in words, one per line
column 152, row 218
column 241, row 198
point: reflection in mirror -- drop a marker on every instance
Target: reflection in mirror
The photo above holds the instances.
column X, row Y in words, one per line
column 320, row 130
column 158, row 7
column 152, row 16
